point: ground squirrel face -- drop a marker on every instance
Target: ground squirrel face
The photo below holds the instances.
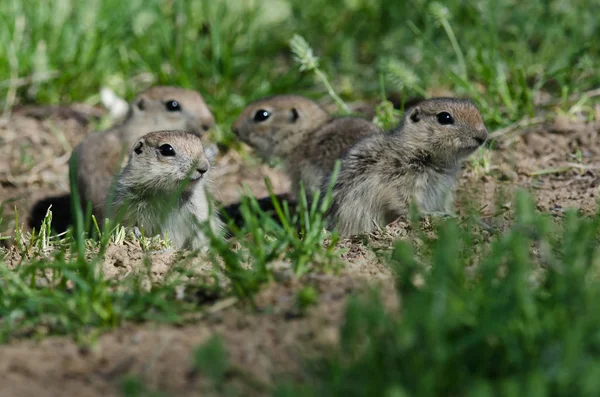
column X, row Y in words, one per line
column 446, row 128
column 174, row 108
column 163, row 160
column 269, row 123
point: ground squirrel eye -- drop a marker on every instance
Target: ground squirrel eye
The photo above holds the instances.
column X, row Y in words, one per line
column 172, row 105
column 295, row 115
column 261, row 115
column 167, row 150
column 138, row 147
column 444, row 118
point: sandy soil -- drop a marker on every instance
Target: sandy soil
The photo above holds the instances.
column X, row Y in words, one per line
column 558, row 161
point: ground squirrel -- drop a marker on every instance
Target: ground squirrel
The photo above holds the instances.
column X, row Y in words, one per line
column 162, row 188
column 101, row 154
column 298, row 131
column 419, row 160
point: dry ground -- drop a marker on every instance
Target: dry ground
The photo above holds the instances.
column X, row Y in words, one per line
column 558, row 161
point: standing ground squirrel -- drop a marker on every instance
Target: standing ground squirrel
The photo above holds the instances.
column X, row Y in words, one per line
column 162, row 188
column 100, row 155
column 420, row 160
column 302, row 134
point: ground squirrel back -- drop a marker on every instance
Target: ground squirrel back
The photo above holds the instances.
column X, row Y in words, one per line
column 420, row 160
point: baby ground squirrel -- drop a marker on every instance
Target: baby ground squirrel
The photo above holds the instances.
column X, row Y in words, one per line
column 420, row 160
column 302, row 134
column 101, row 154
column 162, row 188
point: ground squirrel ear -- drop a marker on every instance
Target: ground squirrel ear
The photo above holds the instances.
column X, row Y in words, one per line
column 415, row 115
column 138, row 147
column 294, row 116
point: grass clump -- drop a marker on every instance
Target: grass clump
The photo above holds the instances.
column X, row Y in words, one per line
column 291, row 237
column 58, row 285
column 66, row 294
column 523, row 320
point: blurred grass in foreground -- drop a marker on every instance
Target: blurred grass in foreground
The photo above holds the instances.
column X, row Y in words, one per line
column 515, row 314
column 517, row 317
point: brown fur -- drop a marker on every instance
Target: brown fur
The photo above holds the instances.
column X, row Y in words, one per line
column 302, row 134
column 101, row 154
column 420, row 160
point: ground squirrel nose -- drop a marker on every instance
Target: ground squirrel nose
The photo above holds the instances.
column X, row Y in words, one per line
column 481, row 136
column 202, row 169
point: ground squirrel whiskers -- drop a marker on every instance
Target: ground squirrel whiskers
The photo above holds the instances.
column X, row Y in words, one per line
column 420, row 160
column 162, row 188
column 100, row 155
column 302, row 134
